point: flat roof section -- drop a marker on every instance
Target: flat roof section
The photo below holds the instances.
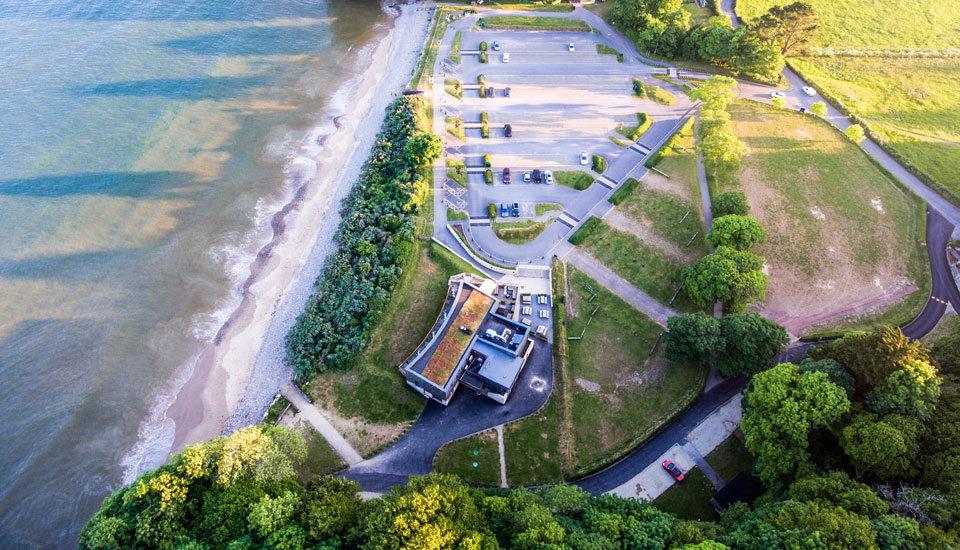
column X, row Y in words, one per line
column 448, row 353
column 500, row 368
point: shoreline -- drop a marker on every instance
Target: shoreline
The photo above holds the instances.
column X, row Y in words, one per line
column 232, row 380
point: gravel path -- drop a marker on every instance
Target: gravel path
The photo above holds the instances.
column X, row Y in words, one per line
column 318, row 421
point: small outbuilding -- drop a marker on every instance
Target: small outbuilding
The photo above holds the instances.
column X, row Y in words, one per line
column 738, row 489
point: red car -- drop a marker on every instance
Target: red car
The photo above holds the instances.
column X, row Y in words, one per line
column 506, row 175
column 672, row 469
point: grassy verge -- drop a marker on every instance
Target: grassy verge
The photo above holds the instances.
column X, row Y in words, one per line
column 544, row 207
column 454, row 54
column 685, row 131
column 458, row 457
column 321, row 458
column 690, row 498
column 585, row 230
column 620, row 394
column 457, row 171
column 534, row 23
column 949, row 324
column 654, row 93
column 453, row 87
column 456, row 215
column 634, row 132
column 623, row 191
column 531, row 447
column 576, row 179
column 603, row 49
column 455, row 128
column 620, row 142
column 730, row 458
column 373, row 389
column 429, row 55
column 518, row 232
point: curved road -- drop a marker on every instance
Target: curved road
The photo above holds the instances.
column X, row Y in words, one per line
column 413, row 454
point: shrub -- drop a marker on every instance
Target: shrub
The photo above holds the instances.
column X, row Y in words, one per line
column 492, row 210
column 483, row 46
column 375, row 240
column 481, row 79
column 624, row 191
column 483, row 57
column 599, row 164
column 483, row 118
column 639, row 89
column 588, row 228
column 855, row 133
column 729, row 202
column 484, row 131
column 483, row 92
column 488, row 176
column 819, row 108
column 779, row 102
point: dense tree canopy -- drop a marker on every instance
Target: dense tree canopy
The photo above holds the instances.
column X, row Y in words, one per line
column 750, row 342
column 729, row 202
column 791, row 28
column 692, row 337
column 728, row 275
column 739, row 232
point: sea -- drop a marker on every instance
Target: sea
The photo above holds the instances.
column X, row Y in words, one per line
column 144, row 147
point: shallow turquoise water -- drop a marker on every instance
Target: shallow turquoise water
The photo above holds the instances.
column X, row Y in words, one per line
column 142, row 149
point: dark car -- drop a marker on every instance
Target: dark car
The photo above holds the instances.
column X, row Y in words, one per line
column 490, row 92
column 507, row 130
column 672, row 469
column 504, row 210
column 516, row 210
column 506, row 176
column 506, row 92
column 537, row 176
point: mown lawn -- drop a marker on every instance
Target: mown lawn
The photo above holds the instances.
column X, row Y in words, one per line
column 910, row 102
column 576, row 179
column 532, row 447
column 690, row 498
column 839, row 231
column 535, row 23
column 887, row 25
column 458, row 457
column 373, row 389
column 619, row 394
column 730, row 458
column 518, row 232
column 321, row 458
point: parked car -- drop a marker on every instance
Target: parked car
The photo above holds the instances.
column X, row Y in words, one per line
column 506, row 176
column 777, row 95
column 506, row 92
column 496, row 45
column 584, row 158
column 516, row 210
column 809, row 91
column 491, row 92
column 672, row 469
column 537, row 177
column 548, row 176
column 504, row 210
column 506, row 58
column 507, row 130
column 570, row 47
column 526, row 177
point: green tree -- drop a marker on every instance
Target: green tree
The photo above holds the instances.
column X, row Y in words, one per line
column 839, row 528
column 781, row 409
column 819, row 108
column 270, row 514
column 839, row 489
column 739, row 232
column 779, row 102
column 332, row 508
column 897, row 533
column 730, row 202
column 754, row 58
column 881, row 447
column 655, row 25
column 792, row 28
column 750, row 343
column 423, row 148
column 912, row 389
column 693, row 337
column 946, row 351
column 855, row 133
column 834, row 371
column 721, row 153
column 728, row 275
column 716, row 92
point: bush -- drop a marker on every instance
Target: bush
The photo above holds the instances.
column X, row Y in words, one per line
column 488, row 176
column 483, row 118
column 624, row 191
column 639, row 89
column 484, row 131
column 375, row 240
column 588, row 228
column 481, row 79
column 492, row 210
column 599, row 164
column 730, row 202
column 634, row 132
column 657, row 156
column 483, row 57
column 483, row 46
column 483, row 92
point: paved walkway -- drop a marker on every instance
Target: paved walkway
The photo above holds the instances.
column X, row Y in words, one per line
column 701, row 463
column 318, row 421
column 620, row 286
column 503, row 460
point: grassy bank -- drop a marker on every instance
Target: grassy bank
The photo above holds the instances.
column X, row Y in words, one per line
column 518, row 232
column 534, row 23
column 458, row 457
column 574, row 179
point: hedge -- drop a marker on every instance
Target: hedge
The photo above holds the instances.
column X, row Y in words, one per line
column 657, row 155
column 483, row 57
column 588, row 228
column 481, row 79
column 599, row 164
column 484, row 131
column 374, row 244
column 488, row 176
column 623, row 192
column 483, row 92
column 492, row 211
column 484, row 118
column 483, row 46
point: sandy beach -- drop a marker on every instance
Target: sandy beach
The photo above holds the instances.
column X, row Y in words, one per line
column 234, row 378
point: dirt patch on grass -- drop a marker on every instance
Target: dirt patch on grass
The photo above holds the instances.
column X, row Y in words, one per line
column 654, row 180
column 366, row 437
column 644, row 231
column 831, row 252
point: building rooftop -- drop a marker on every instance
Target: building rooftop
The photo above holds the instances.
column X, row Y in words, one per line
column 451, row 348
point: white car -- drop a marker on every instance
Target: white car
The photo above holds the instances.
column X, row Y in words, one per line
column 570, row 47
column 506, row 58
column 496, row 46
column 809, row 91
column 548, row 177
column 584, row 158
column 777, row 95
column 526, row 177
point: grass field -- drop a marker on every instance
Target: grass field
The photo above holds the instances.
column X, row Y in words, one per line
column 575, row 179
column 531, row 447
column 535, row 23
column 690, row 498
column 890, row 24
column 458, row 457
column 321, row 458
column 518, row 232
column 455, row 127
column 618, row 393
column 544, row 207
column 457, row 171
column 456, row 215
column 910, row 102
column 842, row 238
column 730, row 458
column 372, row 393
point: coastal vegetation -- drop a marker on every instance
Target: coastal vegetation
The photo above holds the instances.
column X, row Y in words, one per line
column 375, row 242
